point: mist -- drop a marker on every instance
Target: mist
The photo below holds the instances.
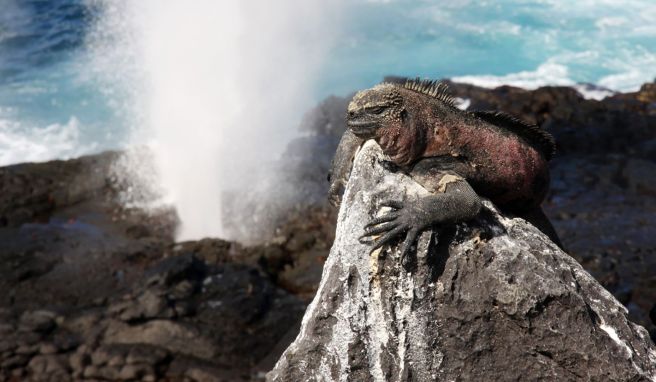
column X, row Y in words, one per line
column 214, row 89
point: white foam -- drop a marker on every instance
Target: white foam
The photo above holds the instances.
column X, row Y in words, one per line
column 630, row 68
column 462, row 103
column 593, row 92
column 549, row 73
column 610, row 22
column 628, row 76
column 629, row 80
column 20, row 143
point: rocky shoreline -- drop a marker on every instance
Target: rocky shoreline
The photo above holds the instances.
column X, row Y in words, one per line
column 93, row 290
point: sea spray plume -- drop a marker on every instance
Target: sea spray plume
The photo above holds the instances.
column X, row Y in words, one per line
column 216, row 88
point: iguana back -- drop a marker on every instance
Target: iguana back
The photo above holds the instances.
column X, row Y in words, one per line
column 503, row 158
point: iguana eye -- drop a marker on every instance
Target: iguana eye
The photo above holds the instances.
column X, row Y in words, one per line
column 376, row 109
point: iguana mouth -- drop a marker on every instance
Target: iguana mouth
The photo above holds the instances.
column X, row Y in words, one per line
column 363, row 129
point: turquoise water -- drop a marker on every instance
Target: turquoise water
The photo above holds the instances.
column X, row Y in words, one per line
column 52, row 104
column 609, row 43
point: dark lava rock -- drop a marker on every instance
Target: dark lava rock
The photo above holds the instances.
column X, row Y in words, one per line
column 31, row 191
column 37, row 321
column 182, row 301
column 174, row 269
column 490, row 300
column 184, row 319
column 80, row 245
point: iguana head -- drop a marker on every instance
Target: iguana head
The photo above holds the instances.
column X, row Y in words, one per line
column 382, row 113
column 373, row 109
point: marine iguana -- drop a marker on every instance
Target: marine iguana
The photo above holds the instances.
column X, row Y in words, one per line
column 456, row 154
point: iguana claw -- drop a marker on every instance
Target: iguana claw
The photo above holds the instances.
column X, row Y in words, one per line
column 409, row 218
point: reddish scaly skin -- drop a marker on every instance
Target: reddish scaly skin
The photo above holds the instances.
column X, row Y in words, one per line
column 509, row 170
column 458, row 155
column 500, row 165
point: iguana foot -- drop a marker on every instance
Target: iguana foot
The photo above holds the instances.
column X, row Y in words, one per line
column 456, row 204
column 409, row 218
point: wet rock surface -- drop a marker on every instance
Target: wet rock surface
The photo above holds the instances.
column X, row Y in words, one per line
column 75, row 263
column 493, row 299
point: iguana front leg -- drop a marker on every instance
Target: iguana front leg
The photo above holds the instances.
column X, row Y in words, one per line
column 456, row 204
column 341, row 166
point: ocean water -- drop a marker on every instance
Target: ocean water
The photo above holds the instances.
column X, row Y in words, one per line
column 52, row 104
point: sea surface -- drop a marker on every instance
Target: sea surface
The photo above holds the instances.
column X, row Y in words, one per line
column 54, row 104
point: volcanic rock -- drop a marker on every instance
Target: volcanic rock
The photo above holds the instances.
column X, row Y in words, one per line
column 493, row 299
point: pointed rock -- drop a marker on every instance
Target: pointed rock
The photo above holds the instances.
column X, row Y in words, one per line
column 493, row 299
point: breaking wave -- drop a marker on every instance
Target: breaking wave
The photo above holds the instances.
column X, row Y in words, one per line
column 19, row 143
